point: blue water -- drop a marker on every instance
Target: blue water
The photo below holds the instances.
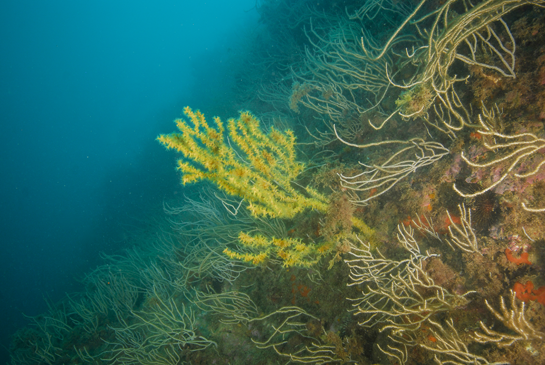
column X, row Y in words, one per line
column 85, row 87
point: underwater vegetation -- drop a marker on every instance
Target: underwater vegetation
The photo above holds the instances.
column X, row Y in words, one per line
column 412, row 233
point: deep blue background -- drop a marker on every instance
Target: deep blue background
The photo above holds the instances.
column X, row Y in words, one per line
column 85, row 87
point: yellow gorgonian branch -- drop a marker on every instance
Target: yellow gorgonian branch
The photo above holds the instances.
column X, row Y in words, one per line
column 248, row 163
column 293, row 252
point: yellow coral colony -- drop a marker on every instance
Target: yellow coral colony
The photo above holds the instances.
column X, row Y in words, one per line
column 256, row 166
column 293, row 252
column 253, row 165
